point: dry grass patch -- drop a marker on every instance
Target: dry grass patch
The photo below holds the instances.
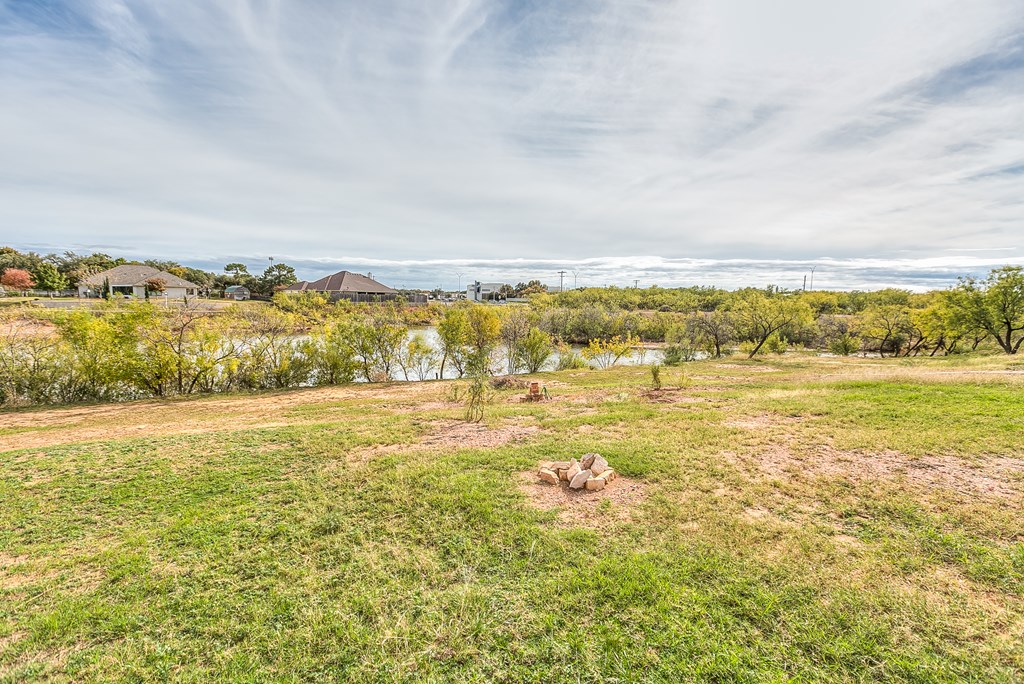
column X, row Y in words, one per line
column 994, row 477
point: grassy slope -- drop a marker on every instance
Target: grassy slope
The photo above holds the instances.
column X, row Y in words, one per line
column 288, row 553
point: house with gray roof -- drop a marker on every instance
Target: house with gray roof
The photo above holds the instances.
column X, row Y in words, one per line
column 133, row 279
column 346, row 285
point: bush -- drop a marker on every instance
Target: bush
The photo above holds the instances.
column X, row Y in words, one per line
column 569, row 359
column 844, row 345
column 676, row 354
column 656, row 376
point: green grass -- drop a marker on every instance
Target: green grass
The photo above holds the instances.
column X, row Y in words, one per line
column 272, row 554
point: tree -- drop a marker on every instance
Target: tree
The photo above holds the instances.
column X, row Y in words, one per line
column 274, row 278
column 535, row 350
column 515, row 326
column 607, row 353
column 47, row 277
column 888, row 325
column 995, row 305
column 453, row 333
column 418, row 357
column 155, row 285
column 711, row 331
column 17, row 279
column 236, row 270
column 758, row 316
column 484, row 333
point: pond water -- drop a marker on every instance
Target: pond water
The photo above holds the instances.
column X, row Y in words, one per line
column 429, row 333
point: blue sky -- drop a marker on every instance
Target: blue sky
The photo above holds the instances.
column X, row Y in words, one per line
column 726, row 142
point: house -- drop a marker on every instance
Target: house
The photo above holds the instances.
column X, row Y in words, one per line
column 483, row 292
column 355, row 287
column 131, row 279
column 239, row 293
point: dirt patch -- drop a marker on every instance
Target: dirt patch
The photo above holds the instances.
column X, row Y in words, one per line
column 998, row 477
column 580, row 508
column 672, row 395
column 10, row 639
column 426, row 406
column 748, row 369
column 367, row 454
column 462, row 435
column 452, row 434
column 152, row 418
column 761, row 422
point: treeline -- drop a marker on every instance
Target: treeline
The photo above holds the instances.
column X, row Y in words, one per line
column 23, row 271
column 129, row 350
column 134, row 350
column 975, row 314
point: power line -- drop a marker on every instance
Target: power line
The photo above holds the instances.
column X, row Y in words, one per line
column 561, row 277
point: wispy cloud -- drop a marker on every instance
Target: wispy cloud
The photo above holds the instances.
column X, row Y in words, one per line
column 701, row 130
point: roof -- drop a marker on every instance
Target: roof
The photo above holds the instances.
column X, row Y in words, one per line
column 236, row 288
column 135, row 274
column 342, row 281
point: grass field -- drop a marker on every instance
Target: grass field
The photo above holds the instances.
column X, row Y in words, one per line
column 794, row 519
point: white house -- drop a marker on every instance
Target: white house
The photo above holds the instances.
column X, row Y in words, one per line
column 131, row 279
column 482, row 292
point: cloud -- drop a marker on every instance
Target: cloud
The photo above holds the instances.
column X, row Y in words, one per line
column 479, row 130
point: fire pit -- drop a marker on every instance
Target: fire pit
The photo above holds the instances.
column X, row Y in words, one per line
column 590, row 472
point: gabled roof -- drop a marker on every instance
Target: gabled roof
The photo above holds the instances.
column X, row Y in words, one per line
column 134, row 274
column 235, row 288
column 343, row 281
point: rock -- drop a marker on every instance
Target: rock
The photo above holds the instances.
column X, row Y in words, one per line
column 595, row 484
column 572, row 472
column 559, row 465
column 546, row 464
column 548, row 475
column 599, row 465
column 608, row 475
column 587, row 460
column 580, row 479
column 563, row 474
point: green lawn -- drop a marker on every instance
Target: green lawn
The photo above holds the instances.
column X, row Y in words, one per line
column 800, row 519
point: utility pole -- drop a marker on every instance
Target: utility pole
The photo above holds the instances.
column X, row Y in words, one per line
column 805, row 282
column 460, row 279
column 812, row 277
column 575, row 274
column 636, row 283
column 561, row 278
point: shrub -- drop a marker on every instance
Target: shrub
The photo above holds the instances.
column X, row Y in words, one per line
column 844, row 345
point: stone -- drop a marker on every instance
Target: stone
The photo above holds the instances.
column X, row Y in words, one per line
column 608, row 475
column 559, row 465
column 548, row 475
column 546, row 464
column 563, row 474
column 572, row 472
column 580, row 479
column 595, row 484
column 587, row 460
column 599, row 465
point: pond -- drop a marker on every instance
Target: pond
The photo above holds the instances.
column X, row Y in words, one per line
column 429, row 333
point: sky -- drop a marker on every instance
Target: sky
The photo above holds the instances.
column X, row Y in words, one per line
column 725, row 142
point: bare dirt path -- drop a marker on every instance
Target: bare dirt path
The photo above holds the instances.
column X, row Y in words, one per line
column 49, row 427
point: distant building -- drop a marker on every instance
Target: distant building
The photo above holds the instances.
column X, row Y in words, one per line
column 130, row 280
column 239, row 293
column 482, row 292
column 354, row 287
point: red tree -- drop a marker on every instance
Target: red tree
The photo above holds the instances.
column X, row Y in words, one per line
column 17, row 279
